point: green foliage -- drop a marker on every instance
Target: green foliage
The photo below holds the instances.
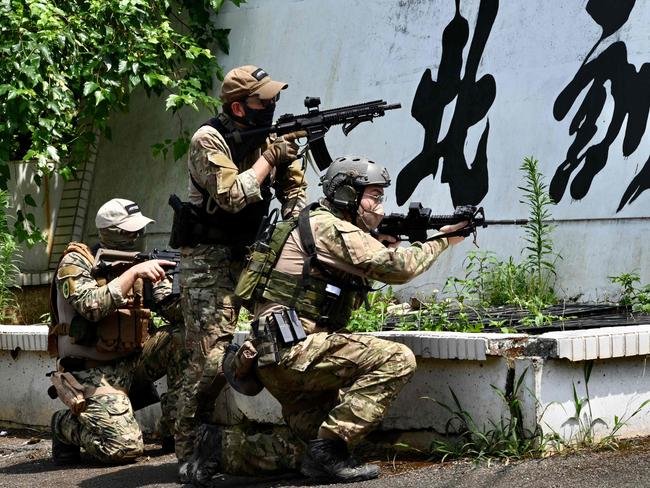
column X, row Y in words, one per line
column 68, row 65
column 506, row 439
column 491, row 282
column 371, row 318
column 244, row 319
column 441, row 315
column 9, row 256
column 636, row 297
column 540, row 258
column 584, row 435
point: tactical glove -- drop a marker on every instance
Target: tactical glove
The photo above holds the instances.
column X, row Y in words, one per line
column 284, row 149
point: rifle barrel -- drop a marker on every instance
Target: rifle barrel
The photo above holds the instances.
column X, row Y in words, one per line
column 507, row 222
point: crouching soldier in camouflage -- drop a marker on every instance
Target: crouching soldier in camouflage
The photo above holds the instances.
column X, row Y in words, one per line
column 99, row 330
column 305, row 281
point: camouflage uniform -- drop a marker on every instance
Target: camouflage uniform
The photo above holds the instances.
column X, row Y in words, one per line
column 166, row 355
column 245, row 449
column 107, row 429
column 209, row 272
column 311, row 375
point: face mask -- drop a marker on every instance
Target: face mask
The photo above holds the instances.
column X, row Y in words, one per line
column 370, row 218
column 116, row 238
column 259, row 117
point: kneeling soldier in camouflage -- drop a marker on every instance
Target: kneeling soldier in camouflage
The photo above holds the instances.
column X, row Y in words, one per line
column 99, row 330
column 305, row 282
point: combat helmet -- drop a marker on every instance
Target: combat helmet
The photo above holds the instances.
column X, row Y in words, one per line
column 347, row 176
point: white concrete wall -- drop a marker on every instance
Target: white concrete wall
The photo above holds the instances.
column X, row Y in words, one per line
column 24, row 388
column 351, row 51
column 617, row 387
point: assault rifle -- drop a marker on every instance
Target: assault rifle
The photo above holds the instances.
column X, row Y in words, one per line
column 110, row 262
column 317, row 122
column 414, row 225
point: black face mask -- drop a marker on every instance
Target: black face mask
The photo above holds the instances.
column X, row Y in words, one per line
column 259, row 117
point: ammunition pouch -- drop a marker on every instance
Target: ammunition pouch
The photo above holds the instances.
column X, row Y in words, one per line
column 329, row 305
column 193, row 225
column 126, row 330
column 258, row 266
column 274, row 332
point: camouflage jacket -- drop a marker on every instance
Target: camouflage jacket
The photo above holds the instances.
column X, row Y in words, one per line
column 210, row 164
column 346, row 250
column 78, row 292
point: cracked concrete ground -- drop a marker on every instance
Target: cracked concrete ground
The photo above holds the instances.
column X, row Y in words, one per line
column 25, row 462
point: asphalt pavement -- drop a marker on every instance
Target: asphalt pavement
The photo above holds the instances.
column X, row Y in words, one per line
column 25, row 462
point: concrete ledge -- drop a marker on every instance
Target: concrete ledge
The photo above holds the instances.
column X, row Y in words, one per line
column 605, row 343
column 25, row 337
column 472, row 366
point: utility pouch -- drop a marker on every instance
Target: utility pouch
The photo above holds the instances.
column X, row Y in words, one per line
column 185, row 221
column 82, row 331
column 287, row 326
column 124, row 331
column 268, row 353
column 257, row 267
column 70, row 391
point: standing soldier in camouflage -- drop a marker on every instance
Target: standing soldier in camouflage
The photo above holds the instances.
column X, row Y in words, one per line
column 230, row 182
column 305, row 283
column 99, row 330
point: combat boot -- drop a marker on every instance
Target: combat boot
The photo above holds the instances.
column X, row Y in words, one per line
column 63, row 454
column 329, row 459
column 167, row 444
column 205, row 462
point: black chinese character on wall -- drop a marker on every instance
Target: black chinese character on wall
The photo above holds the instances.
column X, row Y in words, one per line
column 630, row 90
column 467, row 184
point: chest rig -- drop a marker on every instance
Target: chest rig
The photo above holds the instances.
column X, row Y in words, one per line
column 326, row 298
column 118, row 334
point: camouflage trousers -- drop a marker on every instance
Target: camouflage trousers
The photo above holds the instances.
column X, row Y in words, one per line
column 208, row 277
column 107, row 429
column 164, row 355
column 309, row 379
column 248, row 449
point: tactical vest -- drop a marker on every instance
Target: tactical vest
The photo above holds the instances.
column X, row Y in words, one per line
column 233, row 228
column 326, row 299
column 116, row 335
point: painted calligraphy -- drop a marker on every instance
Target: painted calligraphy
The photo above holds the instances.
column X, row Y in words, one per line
column 468, row 185
column 631, row 94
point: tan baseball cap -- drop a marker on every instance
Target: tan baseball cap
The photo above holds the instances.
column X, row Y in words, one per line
column 247, row 81
column 121, row 213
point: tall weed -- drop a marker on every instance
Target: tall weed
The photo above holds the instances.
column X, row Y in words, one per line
column 9, row 257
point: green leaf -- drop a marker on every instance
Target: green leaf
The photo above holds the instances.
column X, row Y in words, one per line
column 181, row 145
column 99, row 97
column 90, row 87
column 173, row 102
column 29, row 200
